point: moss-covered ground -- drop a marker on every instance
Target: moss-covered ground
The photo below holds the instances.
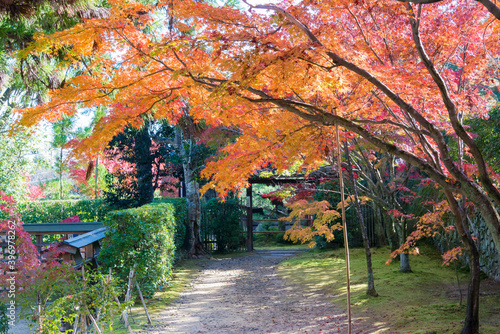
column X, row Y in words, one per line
column 424, row 301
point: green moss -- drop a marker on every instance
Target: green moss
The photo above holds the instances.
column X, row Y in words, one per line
column 424, row 301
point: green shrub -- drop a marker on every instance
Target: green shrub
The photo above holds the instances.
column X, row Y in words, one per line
column 55, row 211
column 180, row 206
column 143, row 236
column 224, row 222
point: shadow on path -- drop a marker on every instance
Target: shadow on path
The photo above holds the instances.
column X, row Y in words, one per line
column 245, row 295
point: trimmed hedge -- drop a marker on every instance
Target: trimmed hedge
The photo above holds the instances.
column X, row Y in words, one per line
column 146, row 236
column 180, row 206
column 55, row 211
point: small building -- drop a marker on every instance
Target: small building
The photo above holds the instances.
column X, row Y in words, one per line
column 83, row 248
column 67, row 229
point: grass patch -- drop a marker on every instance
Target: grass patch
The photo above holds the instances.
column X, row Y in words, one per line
column 425, row 301
column 183, row 274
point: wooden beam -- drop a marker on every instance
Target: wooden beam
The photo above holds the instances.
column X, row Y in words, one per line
column 249, row 219
column 280, row 180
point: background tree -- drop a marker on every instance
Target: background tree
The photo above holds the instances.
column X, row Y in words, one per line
column 391, row 185
column 138, row 164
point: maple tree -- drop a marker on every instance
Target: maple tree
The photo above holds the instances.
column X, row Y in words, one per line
column 78, row 172
column 390, row 184
column 21, row 256
column 400, row 75
column 356, row 199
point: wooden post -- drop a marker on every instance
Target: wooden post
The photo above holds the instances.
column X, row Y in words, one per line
column 344, row 227
column 249, row 219
column 75, row 326
column 39, row 241
column 143, row 302
column 94, row 322
column 127, row 298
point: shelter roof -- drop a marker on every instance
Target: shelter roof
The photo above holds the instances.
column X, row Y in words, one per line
column 87, row 238
column 61, row 228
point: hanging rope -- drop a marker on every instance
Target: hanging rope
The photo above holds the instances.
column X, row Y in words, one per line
column 344, row 228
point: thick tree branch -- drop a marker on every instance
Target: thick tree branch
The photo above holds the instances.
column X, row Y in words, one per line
column 469, row 186
column 491, row 7
column 399, row 125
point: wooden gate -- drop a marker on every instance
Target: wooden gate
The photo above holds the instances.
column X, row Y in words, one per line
column 209, row 239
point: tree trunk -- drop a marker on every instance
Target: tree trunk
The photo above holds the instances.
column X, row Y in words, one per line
column 144, row 161
column 97, row 177
column 404, row 257
column 193, row 237
column 193, row 243
column 471, row 325
column 371, row 282
column 404, row 263
column 391, row 234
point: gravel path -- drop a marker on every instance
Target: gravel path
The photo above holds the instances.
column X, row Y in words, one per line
column 245, row 295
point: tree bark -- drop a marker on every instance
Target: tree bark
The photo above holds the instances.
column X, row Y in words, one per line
column 404, row 263
column 97, row 177
column 471, row 324
column 391, row 234
column 193, row 237
column 369, row 268
column 193, row 243
column 404, row 257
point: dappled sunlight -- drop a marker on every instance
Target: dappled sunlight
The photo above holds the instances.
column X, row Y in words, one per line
column 245, row 294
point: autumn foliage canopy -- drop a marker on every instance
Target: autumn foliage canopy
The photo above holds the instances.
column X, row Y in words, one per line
column 399, row 76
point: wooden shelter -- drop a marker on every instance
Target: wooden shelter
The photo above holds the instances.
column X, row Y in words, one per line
column 82, row 248
column 69, row 229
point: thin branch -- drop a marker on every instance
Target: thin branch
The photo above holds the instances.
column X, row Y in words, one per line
column 365, row 37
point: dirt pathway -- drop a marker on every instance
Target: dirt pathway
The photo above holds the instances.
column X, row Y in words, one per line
column 245, row 295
